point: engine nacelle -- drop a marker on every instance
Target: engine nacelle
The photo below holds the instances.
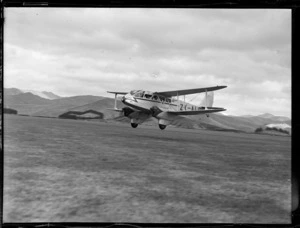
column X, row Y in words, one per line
column 163, row 122
column 136, row 117
column 155, row 111
column 135, row 121
column 127, row 111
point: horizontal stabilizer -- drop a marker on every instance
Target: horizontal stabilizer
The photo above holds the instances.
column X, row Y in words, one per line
column 122, row 93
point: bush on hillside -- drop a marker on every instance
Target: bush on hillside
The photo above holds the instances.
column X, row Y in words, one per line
column 79, row 115
column 277, row 129
column 10, row 111
column 258, row 130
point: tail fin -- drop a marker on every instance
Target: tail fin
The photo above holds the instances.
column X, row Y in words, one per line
column 208, row 100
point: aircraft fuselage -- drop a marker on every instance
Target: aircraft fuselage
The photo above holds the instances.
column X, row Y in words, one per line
column 143, row 102
column 165, row 106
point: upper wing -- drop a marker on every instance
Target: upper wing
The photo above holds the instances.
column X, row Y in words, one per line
column 123, row 93
column 209, row 110
column 189, row 91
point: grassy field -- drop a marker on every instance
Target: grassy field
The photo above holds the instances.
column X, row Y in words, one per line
column 77, row 171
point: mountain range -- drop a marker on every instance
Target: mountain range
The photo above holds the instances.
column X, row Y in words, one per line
column 48, row 104
column 43, row 94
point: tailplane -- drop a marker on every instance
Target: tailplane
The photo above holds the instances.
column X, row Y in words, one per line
column 208, row 100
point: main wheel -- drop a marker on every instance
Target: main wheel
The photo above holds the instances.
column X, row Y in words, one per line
column 134, row 125
column 161, row 126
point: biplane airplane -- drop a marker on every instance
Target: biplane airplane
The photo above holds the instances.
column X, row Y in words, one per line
column 164, row 106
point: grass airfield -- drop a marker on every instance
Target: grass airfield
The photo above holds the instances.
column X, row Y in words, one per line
column 79, row 171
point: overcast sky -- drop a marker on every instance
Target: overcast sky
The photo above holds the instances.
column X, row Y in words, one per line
column 89, row 51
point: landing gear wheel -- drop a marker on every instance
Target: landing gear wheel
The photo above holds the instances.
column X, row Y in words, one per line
column 161, row 126
column 134, row 125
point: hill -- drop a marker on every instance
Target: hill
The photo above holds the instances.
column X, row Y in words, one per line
column 274, row 118
column 30, row 104
column 101, row 106
column 12, row 91
column 62, row 105
column 241, row 123
column 25, row 98
column 43, row 94
column 25, row 103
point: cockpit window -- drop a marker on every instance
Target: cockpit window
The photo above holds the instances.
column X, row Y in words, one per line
column 139, row 93
column 132, row 92
column 148, row 96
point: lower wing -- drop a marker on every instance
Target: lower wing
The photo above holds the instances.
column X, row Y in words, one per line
column 198, row 112
column 176, row 120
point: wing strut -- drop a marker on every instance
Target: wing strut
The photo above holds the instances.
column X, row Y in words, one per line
column 205, row 99
column 116, row 101
column 116, row 94
column 177, row 101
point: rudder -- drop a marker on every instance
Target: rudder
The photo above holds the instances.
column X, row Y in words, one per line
column 208, row 101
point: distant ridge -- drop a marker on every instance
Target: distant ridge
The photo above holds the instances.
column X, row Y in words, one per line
column 25, row 103
column 25, row 98
column 30, row 104
column 12, row 91
column 266, row 115
column 89, row 106
column 51, row 95
column 275, row 118
column 247, row 116
column 43, row 94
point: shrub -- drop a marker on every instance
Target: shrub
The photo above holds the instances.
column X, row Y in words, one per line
column 10, row 111
column 77, row 115
column 258, row 130
column 278, row 129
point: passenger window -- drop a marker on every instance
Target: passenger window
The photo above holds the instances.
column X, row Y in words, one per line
column 148, row 96
column 155, row 97
column 139, row 94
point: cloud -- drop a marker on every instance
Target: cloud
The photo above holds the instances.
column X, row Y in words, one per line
column 78, row 51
